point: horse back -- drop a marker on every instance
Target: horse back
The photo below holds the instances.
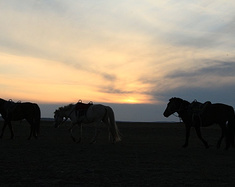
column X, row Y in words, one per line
column 82, row 106
column 218, row 113
column 26, row 110
column 96, row 111
column 220, row 108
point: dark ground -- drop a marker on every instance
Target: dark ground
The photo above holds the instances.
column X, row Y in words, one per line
column 150, row 154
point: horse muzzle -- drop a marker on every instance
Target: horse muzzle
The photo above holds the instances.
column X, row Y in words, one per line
column 56, row 124
column 166, row 114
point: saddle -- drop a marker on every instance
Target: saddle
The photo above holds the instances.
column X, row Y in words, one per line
column 81, row 108
column 197, row 110
column 10, row 106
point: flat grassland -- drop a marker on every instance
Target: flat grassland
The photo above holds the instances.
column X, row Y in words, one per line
column 150, row 154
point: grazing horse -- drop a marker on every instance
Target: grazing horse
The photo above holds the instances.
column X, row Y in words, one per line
column 11, row 111
column 81, row 113
column 202, row 115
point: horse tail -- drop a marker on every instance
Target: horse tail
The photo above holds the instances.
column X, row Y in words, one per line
column 113, row 128
column 37, row 118
column 231, row 127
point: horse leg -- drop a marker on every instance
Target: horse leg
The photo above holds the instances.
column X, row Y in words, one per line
column 229, row 139
column 198, row 131
column 32, row 129
column 229, row 135
column 31, row 132
column 187, row 127
column 3, row 128
column 110, row 134
column 232, row 140
column 223, row 131
column 97, row 131
column 71, row 133
column 10, row 127
column 34, row 126
column 80, row 137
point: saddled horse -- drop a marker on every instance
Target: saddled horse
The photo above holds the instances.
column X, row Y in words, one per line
column 209, row 114
column 81, row 113
column 12, row 111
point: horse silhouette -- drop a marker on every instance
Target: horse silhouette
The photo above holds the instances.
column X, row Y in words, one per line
column 198, row 115
column 81, row 113
column 11, row 111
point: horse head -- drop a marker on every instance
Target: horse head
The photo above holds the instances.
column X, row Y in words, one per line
column 58, row 117
column 2, row 104
column 2, row 101
column 173, row 106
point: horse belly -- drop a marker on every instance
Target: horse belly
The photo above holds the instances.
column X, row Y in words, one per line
column 217, row 116
column 95, row 112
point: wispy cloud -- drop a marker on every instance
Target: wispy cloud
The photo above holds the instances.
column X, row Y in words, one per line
column 212, row 68
column 121, row 48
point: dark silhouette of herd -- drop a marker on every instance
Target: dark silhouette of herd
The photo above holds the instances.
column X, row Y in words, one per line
column 194, row 114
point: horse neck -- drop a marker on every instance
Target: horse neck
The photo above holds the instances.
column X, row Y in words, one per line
column 68, row 110
column 2, row 103
column 183, row 108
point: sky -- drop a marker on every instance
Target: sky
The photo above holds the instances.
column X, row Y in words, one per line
column 129, row 54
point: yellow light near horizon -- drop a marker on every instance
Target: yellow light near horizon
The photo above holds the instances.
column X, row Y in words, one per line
column 134, row 99
column 33, row 79
column 130, row 100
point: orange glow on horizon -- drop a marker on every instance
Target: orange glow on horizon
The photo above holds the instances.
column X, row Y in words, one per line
column 131, row 100
column 47, row 81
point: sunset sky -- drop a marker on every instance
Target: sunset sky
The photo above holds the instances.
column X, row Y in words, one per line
column 131, row 54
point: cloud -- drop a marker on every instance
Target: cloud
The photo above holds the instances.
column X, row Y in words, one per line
column 132, row 47
column 220, row 94
column 195, row 25
column 212, row 68
column 211, row 79
column 112, row 90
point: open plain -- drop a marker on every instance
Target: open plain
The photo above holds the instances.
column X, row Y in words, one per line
column 150, row 154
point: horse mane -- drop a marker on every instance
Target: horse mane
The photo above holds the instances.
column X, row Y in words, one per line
column 177, row 99
column 67, row 107
column 2, row 100
column 64, row 108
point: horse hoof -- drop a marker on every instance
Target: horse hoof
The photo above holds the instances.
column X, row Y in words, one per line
column 227, row 147
column 79, row 140
column 74, row 139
